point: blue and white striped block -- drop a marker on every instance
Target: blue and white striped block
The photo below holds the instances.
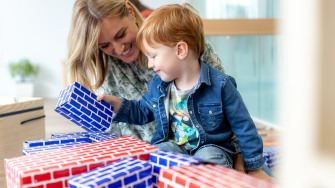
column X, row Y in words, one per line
column 127, row 172
column 166, row 159
column 39, row 149
column 85, row 134
column 271, row 154
column 97, row 138
column 79, row 105
column 54, row 141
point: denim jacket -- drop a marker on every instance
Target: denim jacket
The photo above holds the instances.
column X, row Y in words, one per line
column 215, row 108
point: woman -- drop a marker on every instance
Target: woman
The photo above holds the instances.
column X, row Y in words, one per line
column 103, row 57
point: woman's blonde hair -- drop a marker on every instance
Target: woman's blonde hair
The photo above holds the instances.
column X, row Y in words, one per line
column 86, row 63
column 171, row 24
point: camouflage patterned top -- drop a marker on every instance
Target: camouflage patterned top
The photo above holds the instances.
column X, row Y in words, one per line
column 131, row 82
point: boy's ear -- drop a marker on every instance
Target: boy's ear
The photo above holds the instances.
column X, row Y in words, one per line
column 182, row 50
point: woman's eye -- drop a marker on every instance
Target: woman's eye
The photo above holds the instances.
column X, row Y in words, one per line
column 104, row 46
column 121, row 35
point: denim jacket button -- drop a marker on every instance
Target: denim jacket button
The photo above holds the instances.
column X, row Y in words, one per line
column 202, row 142
column 190, row 112
column 197, row 126
column 154, row 106
column 210, row 112
column 163, row 115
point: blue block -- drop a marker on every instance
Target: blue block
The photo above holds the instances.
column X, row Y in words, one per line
column 54, row 141
column 122, row 173
column 79, row 105
column 97, row 138
column 39, row 149
column 272, row 156
column 92, row 136
column 166, row 159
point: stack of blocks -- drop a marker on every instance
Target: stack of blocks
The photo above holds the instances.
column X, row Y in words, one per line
column 79, row 105
column 124, row 173
column 204, row 176
column 54, row 168
column 164, row 159
column 117, row 158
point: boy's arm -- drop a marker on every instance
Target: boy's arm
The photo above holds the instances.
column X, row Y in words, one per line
column 242, row 125
column 211, row 58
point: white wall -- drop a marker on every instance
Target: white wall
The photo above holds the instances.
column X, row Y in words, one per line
column 37, row 30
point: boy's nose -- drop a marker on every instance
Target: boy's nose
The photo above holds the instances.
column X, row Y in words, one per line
column 150, row 64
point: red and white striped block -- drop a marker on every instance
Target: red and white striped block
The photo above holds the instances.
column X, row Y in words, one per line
column 204, row 176
column 52, row 169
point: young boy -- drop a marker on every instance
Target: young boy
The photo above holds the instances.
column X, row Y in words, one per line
column 196, row 107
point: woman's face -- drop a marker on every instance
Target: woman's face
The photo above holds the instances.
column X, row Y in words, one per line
column 118, row 38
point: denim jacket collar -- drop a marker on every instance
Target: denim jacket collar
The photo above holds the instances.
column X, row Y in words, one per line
column 204, row 73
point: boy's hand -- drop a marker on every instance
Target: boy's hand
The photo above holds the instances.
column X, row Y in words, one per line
column 260, row 174
column 239, row 164
column 112, row 100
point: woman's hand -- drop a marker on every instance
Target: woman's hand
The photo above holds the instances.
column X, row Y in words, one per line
column 112, row 100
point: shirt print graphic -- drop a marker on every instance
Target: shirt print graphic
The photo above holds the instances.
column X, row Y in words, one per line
column 184, row 134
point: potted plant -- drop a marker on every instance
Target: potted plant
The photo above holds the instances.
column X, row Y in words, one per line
column 23, row 72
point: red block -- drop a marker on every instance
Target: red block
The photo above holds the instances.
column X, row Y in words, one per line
column 54, row 168
column 205, row 176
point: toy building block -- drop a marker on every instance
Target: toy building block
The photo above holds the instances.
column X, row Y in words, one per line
column 94, row 136
column 272, row 156
column 205, row 176
column 39, row 149
column 53, row 141
column 97, row 138
column 54, row 168
column 86, row 134
column 165, row 159
column 123, row 173
column 79, row 105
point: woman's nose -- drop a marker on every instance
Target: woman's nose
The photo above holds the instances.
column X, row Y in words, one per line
column 118, row 48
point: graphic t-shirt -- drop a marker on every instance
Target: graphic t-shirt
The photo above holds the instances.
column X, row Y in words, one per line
column 182, row 129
